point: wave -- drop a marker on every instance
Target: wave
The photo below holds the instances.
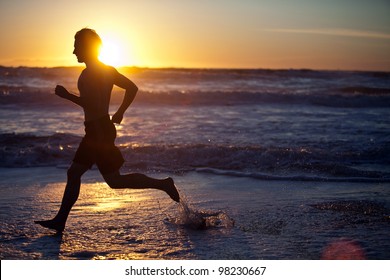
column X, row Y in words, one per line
column 237, row 97
column 22, row 96
column 35, row 86
column 267, row 163
column 25, row 150
column 307, row 178
column 366, row 90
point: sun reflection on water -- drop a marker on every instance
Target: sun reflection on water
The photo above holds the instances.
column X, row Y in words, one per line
column 108, row 224
column 99, row 197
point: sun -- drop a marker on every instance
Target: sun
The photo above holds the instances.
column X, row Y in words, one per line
column 113, row 52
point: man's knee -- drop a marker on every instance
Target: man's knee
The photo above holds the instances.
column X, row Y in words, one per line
column 76, row 171
column 113, row 184
column 72, row 173
column 113, row 181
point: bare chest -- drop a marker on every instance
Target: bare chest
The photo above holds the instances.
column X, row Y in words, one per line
column 94, row 86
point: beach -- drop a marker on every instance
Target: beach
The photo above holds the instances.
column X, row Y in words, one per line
column 272, row 219
column 270, row 164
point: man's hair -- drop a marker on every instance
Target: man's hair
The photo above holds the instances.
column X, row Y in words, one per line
column 89, row 39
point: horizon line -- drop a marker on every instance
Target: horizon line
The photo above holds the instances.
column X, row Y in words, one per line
column 208, row 68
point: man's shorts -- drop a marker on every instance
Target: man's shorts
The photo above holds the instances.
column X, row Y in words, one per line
column 98, row 146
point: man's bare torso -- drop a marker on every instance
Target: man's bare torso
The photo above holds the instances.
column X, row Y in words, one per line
column 95, row 85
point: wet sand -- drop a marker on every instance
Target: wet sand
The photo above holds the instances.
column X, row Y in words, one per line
column 272, row 219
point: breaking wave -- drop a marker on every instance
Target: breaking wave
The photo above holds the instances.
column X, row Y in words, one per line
column 35, row 86
column 266, row 163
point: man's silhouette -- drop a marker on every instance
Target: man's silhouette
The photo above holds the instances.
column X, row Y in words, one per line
column 97, row 147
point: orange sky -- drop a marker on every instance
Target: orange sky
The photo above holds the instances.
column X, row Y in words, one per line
column 332, row 34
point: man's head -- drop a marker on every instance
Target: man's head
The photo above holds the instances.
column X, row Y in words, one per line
column 87, row 45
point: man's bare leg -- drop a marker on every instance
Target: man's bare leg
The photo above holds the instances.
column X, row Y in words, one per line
column 140, row 181
column 70, row 197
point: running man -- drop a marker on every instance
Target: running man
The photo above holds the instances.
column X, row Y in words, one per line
column 97, row 147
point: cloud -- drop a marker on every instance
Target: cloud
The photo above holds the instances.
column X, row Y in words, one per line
column 334, row 32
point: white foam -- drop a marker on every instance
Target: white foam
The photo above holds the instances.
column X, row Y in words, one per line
column 200, row 219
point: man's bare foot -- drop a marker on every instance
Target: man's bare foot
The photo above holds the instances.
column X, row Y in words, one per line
column 171, row 190
column 51, row 224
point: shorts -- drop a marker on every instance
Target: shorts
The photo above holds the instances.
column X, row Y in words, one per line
column 98, row 146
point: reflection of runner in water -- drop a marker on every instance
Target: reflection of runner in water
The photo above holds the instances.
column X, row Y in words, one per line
column 97, row 147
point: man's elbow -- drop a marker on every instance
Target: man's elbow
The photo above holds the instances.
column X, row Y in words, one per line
column 133, row 89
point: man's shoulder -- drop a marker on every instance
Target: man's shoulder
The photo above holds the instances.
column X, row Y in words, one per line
column 111, row 69
column 83, row 72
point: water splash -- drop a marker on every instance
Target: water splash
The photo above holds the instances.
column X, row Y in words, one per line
column 200, row 219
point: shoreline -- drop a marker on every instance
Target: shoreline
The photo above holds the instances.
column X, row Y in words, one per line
column 272, row 219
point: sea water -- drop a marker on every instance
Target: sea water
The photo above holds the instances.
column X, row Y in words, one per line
column 272, row 124
column 193, row 218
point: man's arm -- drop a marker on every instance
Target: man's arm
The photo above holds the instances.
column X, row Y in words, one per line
column 62, row 92
column 131, row 91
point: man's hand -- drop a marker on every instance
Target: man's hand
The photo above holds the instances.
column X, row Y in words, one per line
column 61, row 91
column 117, row 118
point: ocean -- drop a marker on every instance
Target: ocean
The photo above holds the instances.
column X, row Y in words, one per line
column 290, row 124
column 324, row 132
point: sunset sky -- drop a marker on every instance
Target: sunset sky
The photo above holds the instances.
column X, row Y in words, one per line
column 317, row 34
